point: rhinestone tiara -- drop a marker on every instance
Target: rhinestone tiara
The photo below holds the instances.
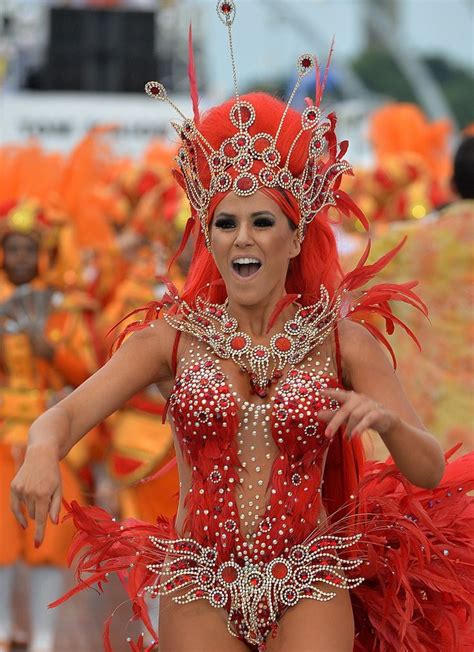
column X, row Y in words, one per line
column 232, row 165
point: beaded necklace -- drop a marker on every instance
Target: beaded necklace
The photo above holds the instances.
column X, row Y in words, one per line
column 212, row 324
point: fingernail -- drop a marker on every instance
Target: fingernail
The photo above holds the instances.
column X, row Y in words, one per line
column 23, row 525
column 37, row 544
column 328, row 432
column 354, row 433
column 55, row 520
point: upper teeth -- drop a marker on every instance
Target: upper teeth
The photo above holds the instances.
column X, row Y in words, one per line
column 245, row 261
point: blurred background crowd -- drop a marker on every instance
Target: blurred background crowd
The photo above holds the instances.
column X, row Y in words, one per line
column 90, row 216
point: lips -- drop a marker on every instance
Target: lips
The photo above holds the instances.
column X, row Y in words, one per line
column 246, row 267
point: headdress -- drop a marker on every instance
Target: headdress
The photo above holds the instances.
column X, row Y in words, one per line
column 247, row 161
column 27, row 217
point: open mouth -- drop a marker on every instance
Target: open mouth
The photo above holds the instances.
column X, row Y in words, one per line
column 246, row 267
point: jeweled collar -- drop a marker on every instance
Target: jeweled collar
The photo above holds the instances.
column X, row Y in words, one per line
column 212, row 324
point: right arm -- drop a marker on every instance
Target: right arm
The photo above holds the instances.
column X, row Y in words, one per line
column 144, row 358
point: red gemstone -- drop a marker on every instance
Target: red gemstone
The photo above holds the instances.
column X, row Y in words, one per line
column 260, row 353
column 226, row 8
column 199, row 593
column 154, row 90
column 279, row 571
column 229, row 574
column 223, row 181
column 306, row 63
column 241, row 142
column 311, row 116
column 283, row 344
column 237, row 343
column 254, row 581
column 245, row 183
column 229, row 150
column 245, row 113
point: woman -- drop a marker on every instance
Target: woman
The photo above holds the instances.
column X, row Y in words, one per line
column 269, row 387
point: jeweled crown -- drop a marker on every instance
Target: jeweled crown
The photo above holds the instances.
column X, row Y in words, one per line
column 244, row 163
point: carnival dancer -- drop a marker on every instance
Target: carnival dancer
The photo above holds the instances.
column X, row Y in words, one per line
column 282, row 539
column 45, row 352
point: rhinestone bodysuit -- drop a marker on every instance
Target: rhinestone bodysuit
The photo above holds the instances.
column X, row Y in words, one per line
column 251, row 519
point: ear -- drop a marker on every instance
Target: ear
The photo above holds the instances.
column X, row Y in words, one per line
column 295, row 246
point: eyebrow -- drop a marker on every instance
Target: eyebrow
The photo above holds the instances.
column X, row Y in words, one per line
column 256, row 214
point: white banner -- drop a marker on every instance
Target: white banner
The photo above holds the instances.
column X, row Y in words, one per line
column 60, row 120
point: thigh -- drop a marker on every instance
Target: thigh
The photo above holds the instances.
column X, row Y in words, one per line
column 312, row 626
column 195, row 627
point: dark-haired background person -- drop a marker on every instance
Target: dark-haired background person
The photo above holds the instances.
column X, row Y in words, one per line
column 44, row 353
column 463, row 169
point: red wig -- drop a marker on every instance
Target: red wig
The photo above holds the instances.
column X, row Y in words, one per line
column 318, row 260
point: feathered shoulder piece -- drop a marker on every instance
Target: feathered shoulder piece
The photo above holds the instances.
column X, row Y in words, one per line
column 169, row 303
column 372, row 307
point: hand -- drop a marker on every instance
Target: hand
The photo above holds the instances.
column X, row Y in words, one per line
column 357, row 412
column 37, row 487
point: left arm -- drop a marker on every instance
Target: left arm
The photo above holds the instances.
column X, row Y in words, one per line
column 376, row 399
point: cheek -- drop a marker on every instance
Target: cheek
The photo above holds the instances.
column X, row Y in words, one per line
column 219, row 251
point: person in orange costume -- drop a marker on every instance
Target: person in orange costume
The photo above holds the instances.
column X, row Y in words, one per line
column 44, row 351
column 140, row 443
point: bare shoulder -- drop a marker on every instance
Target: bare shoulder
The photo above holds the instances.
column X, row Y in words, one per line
column 360, row 352
column 154, row 344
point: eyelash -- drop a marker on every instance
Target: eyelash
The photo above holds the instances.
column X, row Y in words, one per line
column 260, row 222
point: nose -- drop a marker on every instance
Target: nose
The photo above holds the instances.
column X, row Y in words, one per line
column 243, row 237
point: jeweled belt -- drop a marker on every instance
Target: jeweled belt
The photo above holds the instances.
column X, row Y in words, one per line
column 247, row 590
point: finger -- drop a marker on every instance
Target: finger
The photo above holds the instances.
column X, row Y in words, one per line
column 364, row 424
column 42, row 510
column 326, row 415
column 17, row 508
column 338, row 419
column 55, row 506
column 30, row 507
column 356, row 416
column 351, row 401
column 340, row 395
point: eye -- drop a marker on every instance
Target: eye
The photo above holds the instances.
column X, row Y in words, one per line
column 224, row 223
column 262, row 222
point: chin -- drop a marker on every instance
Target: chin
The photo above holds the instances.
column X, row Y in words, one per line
column 247, row 296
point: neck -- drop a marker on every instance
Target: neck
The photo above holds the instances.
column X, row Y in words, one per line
column 254, row 319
